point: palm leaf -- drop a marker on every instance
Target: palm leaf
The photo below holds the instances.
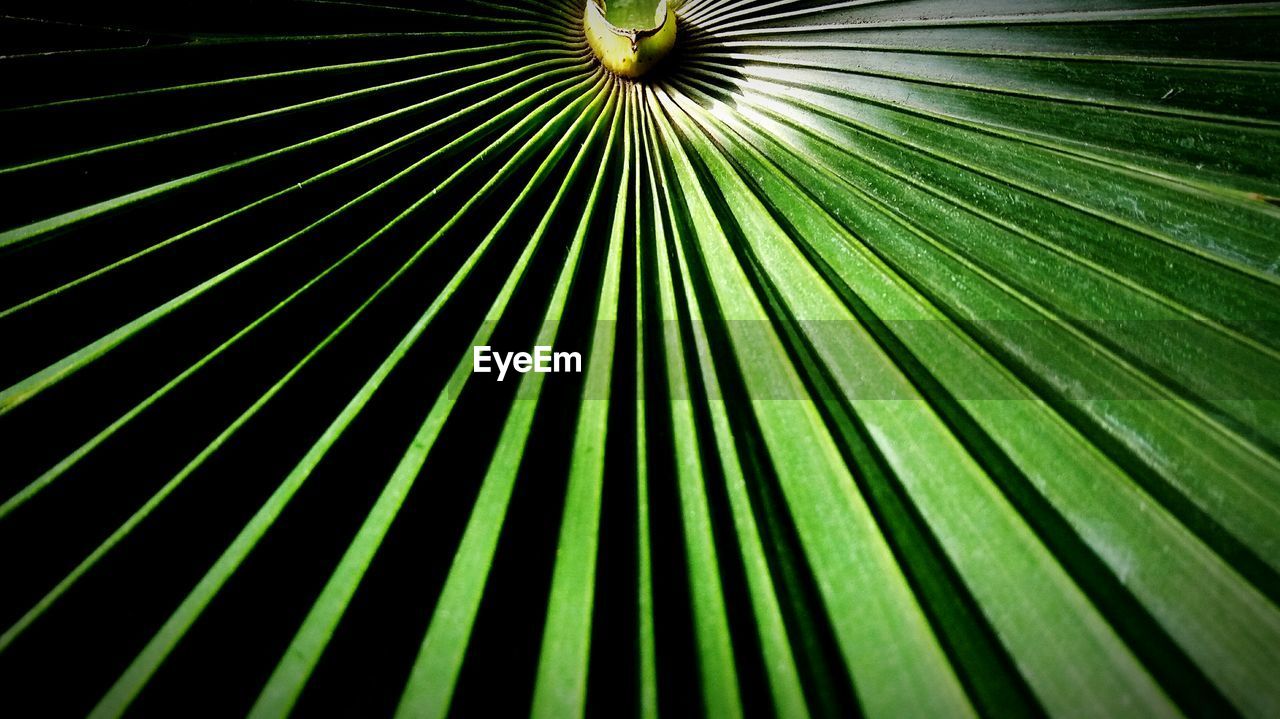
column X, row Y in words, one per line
column 929, row 356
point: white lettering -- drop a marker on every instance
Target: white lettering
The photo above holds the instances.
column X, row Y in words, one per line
column 543, row 360
column 504, row 361
column 568, row 357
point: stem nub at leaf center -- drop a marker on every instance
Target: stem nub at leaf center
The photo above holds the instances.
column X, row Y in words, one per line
column 630, row 37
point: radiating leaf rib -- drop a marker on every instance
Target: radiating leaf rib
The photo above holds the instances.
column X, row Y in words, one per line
column 1227, row 618
column 149, row 659
column 429, row 689
column 645, row 218
column 1101, row 246
column 560, row 688
column 501, row 10
column 29, row 491
column 456, row 14
column 891, row 110
column 959, row 44
column 1208, row 155
column 1240, row 378
column 1112, row 309
column 1057, row 13
column 399, row 143
column 983, row 667
column 784, row 679
column 1252, row 502
column 894, row 660
column 289, row 678
column 267, row 76
column 699, row 13
column 1108, row 676
column 216, row 40
column 38, row 382
column 720, row 691
column 1093, row 83
column 521, row 61
column 34, row 231
column 971, row 305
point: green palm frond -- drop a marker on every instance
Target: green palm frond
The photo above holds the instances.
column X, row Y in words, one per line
column 929, row 355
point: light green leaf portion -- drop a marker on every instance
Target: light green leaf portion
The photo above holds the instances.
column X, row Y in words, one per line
column 784, row 678
column 1027, row 592
column 715, row 651
column 135, row 677
column 287, row 681
column 23, row 391
column 15, row 502
column 429, row 689
column 561, row 684
column 893, row 659
column 956, row 333
column 1226, row 618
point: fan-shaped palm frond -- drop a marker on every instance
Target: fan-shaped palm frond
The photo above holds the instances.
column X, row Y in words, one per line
column 927, row 359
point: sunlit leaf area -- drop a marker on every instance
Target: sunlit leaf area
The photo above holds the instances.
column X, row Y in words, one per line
column 927, row 358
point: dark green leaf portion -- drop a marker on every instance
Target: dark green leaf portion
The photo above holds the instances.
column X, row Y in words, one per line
column 928, row 361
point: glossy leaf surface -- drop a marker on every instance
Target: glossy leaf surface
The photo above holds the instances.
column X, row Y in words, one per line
column 929, row 357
